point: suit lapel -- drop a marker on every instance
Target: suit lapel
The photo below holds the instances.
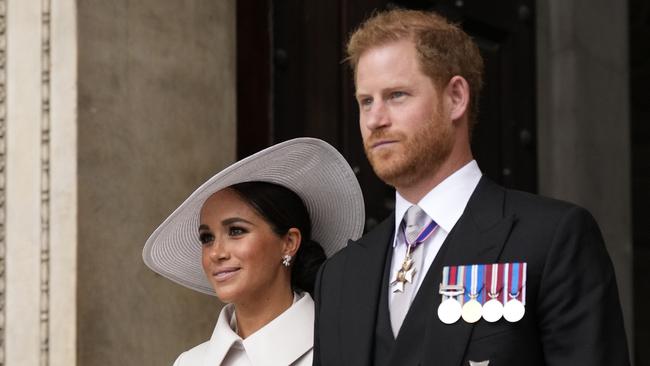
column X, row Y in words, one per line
column 360, row 291
column 477, row 238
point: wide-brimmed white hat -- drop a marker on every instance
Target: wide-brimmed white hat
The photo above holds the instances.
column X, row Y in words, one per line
column 310, row 167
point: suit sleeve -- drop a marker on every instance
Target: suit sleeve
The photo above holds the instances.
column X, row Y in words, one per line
column 579, row 312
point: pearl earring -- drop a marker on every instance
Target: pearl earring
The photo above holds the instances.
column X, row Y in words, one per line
column 286, row 260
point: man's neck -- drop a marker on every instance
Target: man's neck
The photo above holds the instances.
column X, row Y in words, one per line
column 414, row 192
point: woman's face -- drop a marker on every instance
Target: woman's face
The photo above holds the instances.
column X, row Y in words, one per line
column 242, row 256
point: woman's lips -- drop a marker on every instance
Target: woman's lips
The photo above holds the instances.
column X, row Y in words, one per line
column 225, row 274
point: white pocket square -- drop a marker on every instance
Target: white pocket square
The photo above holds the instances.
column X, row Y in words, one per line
column 479, row 363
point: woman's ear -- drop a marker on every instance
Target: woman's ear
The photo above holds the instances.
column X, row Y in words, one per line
column 293, row 238
column 457, row 91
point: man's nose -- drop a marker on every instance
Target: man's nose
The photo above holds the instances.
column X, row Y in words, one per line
column 377, row 116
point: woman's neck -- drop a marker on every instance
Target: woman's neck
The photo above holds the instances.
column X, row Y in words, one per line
column 253, row 315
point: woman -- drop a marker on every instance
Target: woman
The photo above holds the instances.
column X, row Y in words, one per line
column 254, row 235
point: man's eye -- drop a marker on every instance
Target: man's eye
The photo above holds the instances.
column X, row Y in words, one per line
column 236, row 231
column 206, row 238
column 397, row 94
column 365, row 102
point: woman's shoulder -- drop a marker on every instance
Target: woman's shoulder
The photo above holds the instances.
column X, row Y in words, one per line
column 193, row 356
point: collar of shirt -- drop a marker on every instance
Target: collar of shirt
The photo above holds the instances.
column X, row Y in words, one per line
column 446, row 202
column 280, row 342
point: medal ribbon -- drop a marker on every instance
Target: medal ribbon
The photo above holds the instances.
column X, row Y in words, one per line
column 480, row 275
column 424, row 235
column 461, row 280
column 515, row 275
column 514, row 282
column 472, row 274
column 523, row 284
column 445, row 279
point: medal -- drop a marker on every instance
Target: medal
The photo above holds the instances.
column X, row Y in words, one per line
column 514, row 309
column 493, row 308
column 472, row 309
column 450, row 310
column 407, row 272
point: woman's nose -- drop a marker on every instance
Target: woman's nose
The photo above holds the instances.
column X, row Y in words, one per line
column 218, row 251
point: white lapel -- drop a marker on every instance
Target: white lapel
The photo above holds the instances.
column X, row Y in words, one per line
column 286, row 338
column 222, row 338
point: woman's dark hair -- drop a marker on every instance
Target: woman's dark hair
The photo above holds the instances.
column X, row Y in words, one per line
column 283, row 209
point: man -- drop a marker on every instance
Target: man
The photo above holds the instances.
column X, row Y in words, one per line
column 525, row 280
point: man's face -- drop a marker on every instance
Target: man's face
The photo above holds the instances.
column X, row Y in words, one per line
column 406, row 129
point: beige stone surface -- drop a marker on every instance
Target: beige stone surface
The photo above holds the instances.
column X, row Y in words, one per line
column 584, row 121
column 23, row 184
column 156, row 118
column 63, row 186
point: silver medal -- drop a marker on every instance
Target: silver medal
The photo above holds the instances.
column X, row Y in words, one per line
column 492, row 310
column 449, row 311
column 472, row 311
column 514, row 310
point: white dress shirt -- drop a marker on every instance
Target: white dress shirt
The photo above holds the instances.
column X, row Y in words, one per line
column 444, row 204
column 286, row 340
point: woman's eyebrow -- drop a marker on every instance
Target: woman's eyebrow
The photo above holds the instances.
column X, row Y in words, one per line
column 233, row 220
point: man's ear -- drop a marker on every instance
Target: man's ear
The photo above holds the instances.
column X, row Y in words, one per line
column 457, row 91
column 292, row 241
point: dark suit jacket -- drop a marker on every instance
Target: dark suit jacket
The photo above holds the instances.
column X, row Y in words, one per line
column 573, row 315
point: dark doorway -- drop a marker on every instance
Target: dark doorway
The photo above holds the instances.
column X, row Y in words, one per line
column 291, row 82
column 639, row 13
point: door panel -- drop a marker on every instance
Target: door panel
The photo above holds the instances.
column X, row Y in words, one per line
column 311, row 91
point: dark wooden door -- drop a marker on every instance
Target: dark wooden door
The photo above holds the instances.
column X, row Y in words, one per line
column 290, row 56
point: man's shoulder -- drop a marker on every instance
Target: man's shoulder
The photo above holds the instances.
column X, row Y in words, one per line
column 525, row 203
column 378, row 234
column 538, row 212
column 526, row 200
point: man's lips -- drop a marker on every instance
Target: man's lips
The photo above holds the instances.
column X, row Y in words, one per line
column 382, row 143
column 224, row 274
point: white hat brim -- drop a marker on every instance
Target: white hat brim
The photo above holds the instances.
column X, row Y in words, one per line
column 310, row 167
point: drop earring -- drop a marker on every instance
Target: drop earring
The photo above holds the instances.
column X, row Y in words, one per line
column 286, row 260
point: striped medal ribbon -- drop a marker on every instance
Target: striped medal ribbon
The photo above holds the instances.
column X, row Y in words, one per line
column 515, row 297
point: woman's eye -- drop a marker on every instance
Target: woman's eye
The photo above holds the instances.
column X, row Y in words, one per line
column 236, row 231
column 206, row 238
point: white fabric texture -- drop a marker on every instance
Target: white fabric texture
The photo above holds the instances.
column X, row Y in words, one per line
column 286, row 340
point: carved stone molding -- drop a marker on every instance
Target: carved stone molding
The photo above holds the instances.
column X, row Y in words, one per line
column 3, row 125
column 45, row 181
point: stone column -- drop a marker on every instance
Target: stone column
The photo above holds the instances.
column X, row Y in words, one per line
column 39, row 181
column 111, row 113
column 584, row 120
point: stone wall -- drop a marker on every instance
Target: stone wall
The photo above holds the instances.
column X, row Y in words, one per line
column 111, row 113
column 584, row 120
column 156, row 119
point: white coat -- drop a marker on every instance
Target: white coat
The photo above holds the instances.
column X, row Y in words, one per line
column 286, row 340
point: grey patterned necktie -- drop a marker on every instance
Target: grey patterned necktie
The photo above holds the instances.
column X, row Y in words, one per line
column 415, row 221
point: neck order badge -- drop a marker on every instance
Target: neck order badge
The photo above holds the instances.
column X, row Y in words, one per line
column 414, row 219
column 488, row 291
